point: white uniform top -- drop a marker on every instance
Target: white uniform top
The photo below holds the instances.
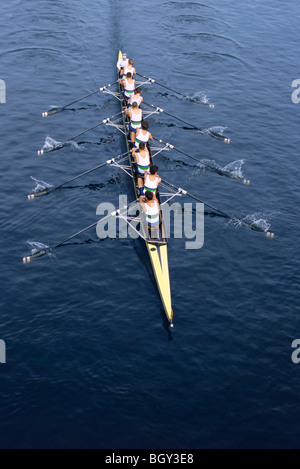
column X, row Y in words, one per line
column 150, row 185
column 129, row 88
column 152, row 213
column 122, row 63
column 141, row 138
column 136, row 100
column 127, row 70
column 136, row 118
column 144, row 162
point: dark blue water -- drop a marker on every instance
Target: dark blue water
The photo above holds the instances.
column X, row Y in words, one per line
column 90, row 363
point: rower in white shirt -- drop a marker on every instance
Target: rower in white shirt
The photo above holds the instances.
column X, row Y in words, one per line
column 137, row 98
column 136, row 116
column 129, row 87
column 130, row 68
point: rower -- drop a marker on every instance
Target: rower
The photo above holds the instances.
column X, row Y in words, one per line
column 143, row 135
column 130, row 68
column 129, row 86
column 152, row 180
column 136, row 117
column 137, row 98
column 151, row 209
column 122, row 63
column 141, row 157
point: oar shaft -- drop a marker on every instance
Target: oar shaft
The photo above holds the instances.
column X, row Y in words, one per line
column 92, row 128
column 173, row 117
column 212, row 134
column 75, row 235
column 80, row 99
column 86, row 229
column 49, row 113
column 160, row 84
column 152, row 80
column 88, row 95
column 85, row 173
column 78, row 177
column 105, row 121
column 197, row 199
column 252, row 226
column 180, row 151
column 82, row 133
column 210, row 168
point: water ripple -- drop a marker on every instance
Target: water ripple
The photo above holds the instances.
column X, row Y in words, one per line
column 203, row 35
column 193, row 5
column 36, row 52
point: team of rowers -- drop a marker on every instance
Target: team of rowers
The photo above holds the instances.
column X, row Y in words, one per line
column 147, row 174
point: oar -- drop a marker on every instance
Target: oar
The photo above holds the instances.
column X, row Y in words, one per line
column 55, row 111
column 52, row 189
column 252, row 226
column 105, row 121
column 43, row 252
column 212, row 134
column 214, row 170
column 152, row 80
column 27, row 260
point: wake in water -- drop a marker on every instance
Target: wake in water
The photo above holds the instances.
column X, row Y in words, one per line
column 215, row 132
column 218, row 130
column 38, row 247
column 257, row 221
column 232, row 170
column 52, row 145
column 198, row 97
column 40, row 185
column 235, row 169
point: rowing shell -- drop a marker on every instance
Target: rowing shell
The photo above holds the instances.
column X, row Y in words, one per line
column 158, row 253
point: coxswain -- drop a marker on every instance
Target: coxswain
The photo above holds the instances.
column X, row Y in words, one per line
column 143, row 135
column 122, row 63
column 136, row 117
column 129, row 86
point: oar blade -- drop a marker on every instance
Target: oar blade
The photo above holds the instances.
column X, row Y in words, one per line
column 219, row 136
column 37, row 255
column 51, row 112
column 44, row 152
column 38, row 194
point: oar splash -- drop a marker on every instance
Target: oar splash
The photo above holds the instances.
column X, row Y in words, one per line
column 41, row 250
column 43, row 189
column 253, row 224
column 49, row 149
column 217, row 169
column 152, row 80
column 213, row 132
